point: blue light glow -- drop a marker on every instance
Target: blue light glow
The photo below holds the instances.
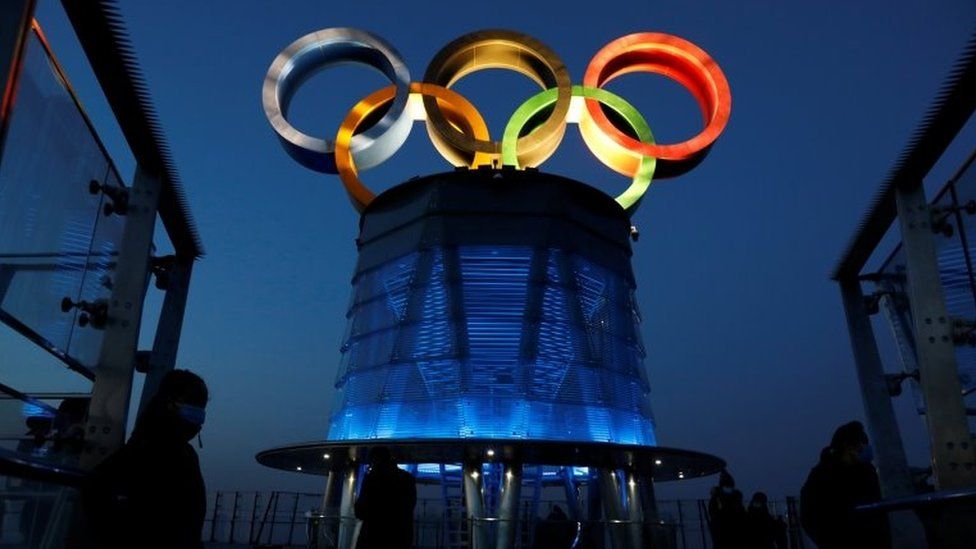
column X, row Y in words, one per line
column 493, row 342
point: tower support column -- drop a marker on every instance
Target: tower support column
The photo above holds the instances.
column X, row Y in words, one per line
column 474, row 500
column 348, row 525
column 613, row 508
column 635, row 509
column 509, row 506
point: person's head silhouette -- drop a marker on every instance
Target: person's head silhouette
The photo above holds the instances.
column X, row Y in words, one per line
column 850, row 443
column 179, row 406
column 381, row 458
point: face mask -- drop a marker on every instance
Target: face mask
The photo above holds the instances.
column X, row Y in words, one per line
column 194, row 415
column 866, row 454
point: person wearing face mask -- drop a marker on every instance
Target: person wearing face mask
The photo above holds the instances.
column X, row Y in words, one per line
column 150, row 493
column 726, row 514
column 842, row 480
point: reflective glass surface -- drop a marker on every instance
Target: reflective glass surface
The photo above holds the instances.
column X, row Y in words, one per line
column 493, row 342
column 55, row 242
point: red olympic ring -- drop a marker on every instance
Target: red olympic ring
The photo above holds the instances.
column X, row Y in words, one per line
column 679, row 60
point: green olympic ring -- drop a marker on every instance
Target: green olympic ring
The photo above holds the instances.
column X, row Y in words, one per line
column 528, row 111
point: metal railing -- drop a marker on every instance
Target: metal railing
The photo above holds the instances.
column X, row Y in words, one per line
column 292, row 519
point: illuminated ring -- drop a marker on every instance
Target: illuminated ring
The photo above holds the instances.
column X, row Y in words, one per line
column 458, row 111
column 675, row 58
column 322, row 49
column 500, row 49
column 605, row 149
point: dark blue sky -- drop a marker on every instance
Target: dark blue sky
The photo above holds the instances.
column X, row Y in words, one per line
column 748, row 353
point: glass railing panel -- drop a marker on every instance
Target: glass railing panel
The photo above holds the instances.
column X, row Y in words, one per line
column 48, row 214
column 96, row 287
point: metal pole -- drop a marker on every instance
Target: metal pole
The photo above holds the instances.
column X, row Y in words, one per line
column 635, row 510
column 276, row 496
column 613, row 508
column 953, row 455
column 702, row 513
column 896, row 480
column 328, row 496
column 291, row 524
column 347, row 512
column 233, row 517
column 681, row 525
column 167, row 340
column 254, row 517
column 652, row 520
column 213, row 519
column 474, row 500
column 15, row 22
column 508, row 507
column 112, row 389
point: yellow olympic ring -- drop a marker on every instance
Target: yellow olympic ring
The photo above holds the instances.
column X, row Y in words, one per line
column 458, row 111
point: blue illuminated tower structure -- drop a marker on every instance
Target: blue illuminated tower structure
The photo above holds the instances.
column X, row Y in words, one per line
column 493, row 305
column 493, row 341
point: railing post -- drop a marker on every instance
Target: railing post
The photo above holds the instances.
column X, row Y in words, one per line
column 953, row 454
column 233, row 517
column 112, row 389
column 291, row 525
column 167, row 340
column 254, row 517
column 213, row 518
column 882, row 425
column 953, row 457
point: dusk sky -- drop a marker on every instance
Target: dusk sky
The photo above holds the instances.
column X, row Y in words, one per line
column 748, row 354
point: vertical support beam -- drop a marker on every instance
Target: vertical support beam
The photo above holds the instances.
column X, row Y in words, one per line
column 896, row 480
column 953, row 456
column 474, row 500
column 652, row 521
column 635, row 509
column 330, row 495
column 15, row 21
column 348, row 531
column 167, row 341
column 112, row 389
column 613, row 508
column 509, row 505
column 882, row 424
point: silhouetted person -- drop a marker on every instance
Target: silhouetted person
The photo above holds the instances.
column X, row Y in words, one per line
column 844, row 479
column 385, row 504
column 556, row 531
column 726, row 513
column 150, row 493
column 760, row 532
column 69, row 428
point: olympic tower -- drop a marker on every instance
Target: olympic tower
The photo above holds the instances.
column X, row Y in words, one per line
column 493, row 334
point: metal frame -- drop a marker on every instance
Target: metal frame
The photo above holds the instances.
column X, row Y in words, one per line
column 109, row 408
column 902, row 197
column 155, row 190
column 953, row 456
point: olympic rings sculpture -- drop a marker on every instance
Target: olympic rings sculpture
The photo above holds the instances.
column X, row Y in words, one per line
column 376, row 127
